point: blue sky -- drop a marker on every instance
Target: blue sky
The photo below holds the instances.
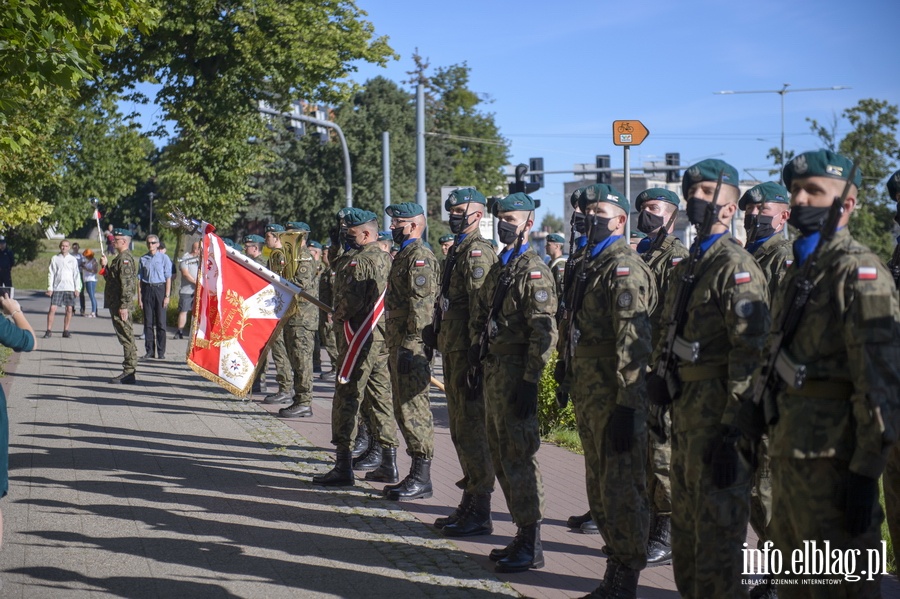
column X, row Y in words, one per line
column 560, row 73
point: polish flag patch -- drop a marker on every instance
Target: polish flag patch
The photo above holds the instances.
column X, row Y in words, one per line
column 353, row 263
column 676, row 261
column 535, row 274
column 623, row 271
column 475, row 253
column 867, row 273
column 420, row 263
column 741, row 278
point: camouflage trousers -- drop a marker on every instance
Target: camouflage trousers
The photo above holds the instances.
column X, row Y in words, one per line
column 616, row 482
column 467, row 427
column 761, row 494
column 327, row 339
column 410, row 381
column 299, row 343
column 369, row 381
column 659, row 487
column 513, row 442
column 808, row 499
column 284, row 375
column 709, row 524
column 125, row 335
column 891, row 483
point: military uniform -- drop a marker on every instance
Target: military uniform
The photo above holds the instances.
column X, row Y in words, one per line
column 326, row 328
column 891, row 479
column 284, row 375
column 121, row 284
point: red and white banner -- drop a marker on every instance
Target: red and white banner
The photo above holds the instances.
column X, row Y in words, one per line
column 238, row 309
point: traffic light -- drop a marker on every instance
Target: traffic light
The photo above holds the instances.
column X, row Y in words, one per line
column 603, row 162
column 520, row 185
column 673, row 159
column 536, row 164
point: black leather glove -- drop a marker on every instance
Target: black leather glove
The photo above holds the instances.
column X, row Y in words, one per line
column 333, row 234
column 474, row 356
column 428, row 336
column 862, row 493
column 722, row 456
column 559, row 372
column 526, row 399
column 658, row 390
column 620, row 429
column 562, row 397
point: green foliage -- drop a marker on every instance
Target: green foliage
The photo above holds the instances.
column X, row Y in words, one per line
column 553, row 224
column 550, row 416
column 25, row 242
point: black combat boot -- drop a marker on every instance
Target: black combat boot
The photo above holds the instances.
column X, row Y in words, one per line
column 474, row 521
column 525, row 552
column 369, row 460
column 619, row 582
column 363, row 440
column 387, row 471
column 417, row 484
column 455, row 514
column 342, row 473
column 577, row 521
column 296, row 410
column 498, row 554
column 659, row 545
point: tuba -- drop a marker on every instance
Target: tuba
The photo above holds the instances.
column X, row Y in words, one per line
column 292, row 244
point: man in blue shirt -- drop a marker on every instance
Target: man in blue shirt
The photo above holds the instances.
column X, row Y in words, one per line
column 155, row 276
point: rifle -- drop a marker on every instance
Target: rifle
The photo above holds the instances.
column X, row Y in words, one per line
column 579, row 282
column 894, row 265
column 766, row 385
column 661, row 236
column 439, row 302
column 667, row 366
column 567, row 277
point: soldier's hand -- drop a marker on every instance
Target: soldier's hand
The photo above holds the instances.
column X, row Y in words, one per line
column 474, row 356
column 658, row 390
column 559, row 372
column 562, row 397
column 620, row 429
column 428, row 336
column 525, row 399
column 862, row 493
column 722, row 456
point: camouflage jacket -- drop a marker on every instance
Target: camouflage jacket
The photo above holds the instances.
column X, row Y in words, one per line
column 613, row 328
column 474, row 258
column 307, row 279
column 558, row 270
column 362, row 277
column 774, row 257
column 121, row 281
column 728, row 314
column 409, row 303
column 526, row 323
column 662, row 261
column 573, row 264
column 849, row 340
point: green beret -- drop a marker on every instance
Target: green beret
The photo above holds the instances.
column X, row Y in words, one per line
column 768, row 192
column 385, row 236
column 657, row 193
column 514, row 202
column 120, row 232
column 708, row 170
column 274, row 228
column 296, row 225
column 464, row 195
column 601, row 192
column 353, row 217
column 253, row 239
column 229, row 242
column 893, row 186
column 404, row 210
column 635, row 234
column 555, row 238
column 446, row 238
column 344, row 211
column 576, row 195
column 312, row 243
column 820, row 163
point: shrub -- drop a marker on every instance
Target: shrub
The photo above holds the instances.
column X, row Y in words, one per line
column 550, row 416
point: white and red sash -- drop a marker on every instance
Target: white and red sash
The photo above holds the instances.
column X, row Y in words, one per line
column 357, row 339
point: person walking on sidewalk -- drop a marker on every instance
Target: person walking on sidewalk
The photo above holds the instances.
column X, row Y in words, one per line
column 190, row 266
column 63, row 282
column 121, row 281
column 155, row 276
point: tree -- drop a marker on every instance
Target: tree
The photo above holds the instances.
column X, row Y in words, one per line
column 552, row 224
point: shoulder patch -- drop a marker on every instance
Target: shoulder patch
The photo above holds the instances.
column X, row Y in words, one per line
column 475, row 253
column 741, row 277
column 676, row 261
column 787, row 263
column 535, row 274
column 623, row 271
column 541, row 295
column 420, row 280
column 353, row 263
column 477, row 272
column 419, row 263
column 867, row 273
column 625, row 300
column 743, row 308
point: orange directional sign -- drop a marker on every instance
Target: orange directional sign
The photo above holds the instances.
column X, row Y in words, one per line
column 629, row 133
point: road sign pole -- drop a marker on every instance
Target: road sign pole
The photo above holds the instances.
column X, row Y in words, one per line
column 627, row 152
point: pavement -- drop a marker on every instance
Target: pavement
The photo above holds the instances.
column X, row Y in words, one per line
column 174, row 488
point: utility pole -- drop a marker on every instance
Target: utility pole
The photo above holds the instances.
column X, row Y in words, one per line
column 150, row 227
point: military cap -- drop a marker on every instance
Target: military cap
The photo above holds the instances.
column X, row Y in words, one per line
column 576, row 195
column 635, row 234
column 354, row 217
column 555, row 238
column 768, row 192
column 819, row 163
column 514, row 202
column 893, row 186
column 254, row 239
column 344, row 211
column 601, row 192
column 385, row 236
column 464, row 195
column 708, row 170
column 657, row 193
column 296, row 225
column 121, row 232
column 312, row 243
column 228, row 242
column 446, row 238
column 274, row 228
column 404, row 210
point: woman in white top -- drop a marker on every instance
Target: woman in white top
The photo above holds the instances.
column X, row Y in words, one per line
column 90, row 268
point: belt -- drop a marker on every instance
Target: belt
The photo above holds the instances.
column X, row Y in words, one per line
column 508, row 349
column 392, row 314
column 823, row 389
column 456, row 314
column 693, row 373
column 595, row 351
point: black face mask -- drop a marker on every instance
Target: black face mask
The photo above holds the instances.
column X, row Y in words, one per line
column 398, row 236
column 507, row 232
column 808, row 219
column 352, row 243
column 649, row 222
column 579, row 223
column 696, row 210
column 758, row 226
column 458, row 223
column 599, row 229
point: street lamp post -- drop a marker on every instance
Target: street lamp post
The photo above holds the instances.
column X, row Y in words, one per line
column 782, row 92
column 150, row 227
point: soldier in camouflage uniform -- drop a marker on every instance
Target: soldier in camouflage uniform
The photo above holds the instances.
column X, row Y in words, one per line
column 253, row 245
column 121, row 283
column 557, row 264
column 363, row 361
column 521, row 335
column 829, row 445
column 661, row 251
column 284, row 375
column 610, row 345
column 408, row 306
column 326, row 326
column 891, row 479
column 473, row 257
column 300, row 329
column 728, row 317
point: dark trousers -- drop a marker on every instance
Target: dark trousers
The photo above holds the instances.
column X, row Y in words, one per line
column 152, row 297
